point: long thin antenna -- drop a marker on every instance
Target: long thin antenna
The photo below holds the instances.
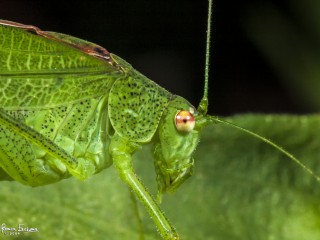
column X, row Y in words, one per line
column 203, row 106
column 213, row 119
column 208, row 45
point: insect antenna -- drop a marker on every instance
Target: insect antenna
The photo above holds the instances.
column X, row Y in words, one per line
column 203, row 105
column 204, row 120
column 213, row 119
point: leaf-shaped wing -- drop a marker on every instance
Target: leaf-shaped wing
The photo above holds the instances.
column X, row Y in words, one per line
column 42, row 69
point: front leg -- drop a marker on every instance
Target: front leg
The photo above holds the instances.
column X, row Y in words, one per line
column 121, row 151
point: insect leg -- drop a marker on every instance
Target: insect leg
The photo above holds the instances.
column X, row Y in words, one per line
column 77, row 167
column 136, row 211
column 121, row 151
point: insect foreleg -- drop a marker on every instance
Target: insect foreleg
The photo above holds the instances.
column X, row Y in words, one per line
column 136, row 212
column 121, row 151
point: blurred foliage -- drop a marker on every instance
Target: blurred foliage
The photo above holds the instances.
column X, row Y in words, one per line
column 289, row 37
column 242, row 189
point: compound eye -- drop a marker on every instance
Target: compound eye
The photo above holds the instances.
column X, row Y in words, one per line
column 184, row 121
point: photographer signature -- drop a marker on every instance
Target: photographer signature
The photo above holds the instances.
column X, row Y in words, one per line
column 21, row 228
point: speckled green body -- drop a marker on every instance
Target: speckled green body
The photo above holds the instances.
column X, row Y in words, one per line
column 70, row 108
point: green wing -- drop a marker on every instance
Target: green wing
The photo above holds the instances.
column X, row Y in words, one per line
column 42, row 69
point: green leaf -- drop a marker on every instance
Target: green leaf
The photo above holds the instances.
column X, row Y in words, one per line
column 241, row 189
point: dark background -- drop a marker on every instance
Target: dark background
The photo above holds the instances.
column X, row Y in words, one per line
column 165, row 40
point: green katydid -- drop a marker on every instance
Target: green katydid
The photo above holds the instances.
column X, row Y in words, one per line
column 70, row 108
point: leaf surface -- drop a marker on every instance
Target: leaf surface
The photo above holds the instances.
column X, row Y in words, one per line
column 242, row 189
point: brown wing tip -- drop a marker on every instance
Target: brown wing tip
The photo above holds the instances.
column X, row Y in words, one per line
column 89, row 48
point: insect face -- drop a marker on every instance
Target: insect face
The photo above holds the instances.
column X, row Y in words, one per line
column 178, row 140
